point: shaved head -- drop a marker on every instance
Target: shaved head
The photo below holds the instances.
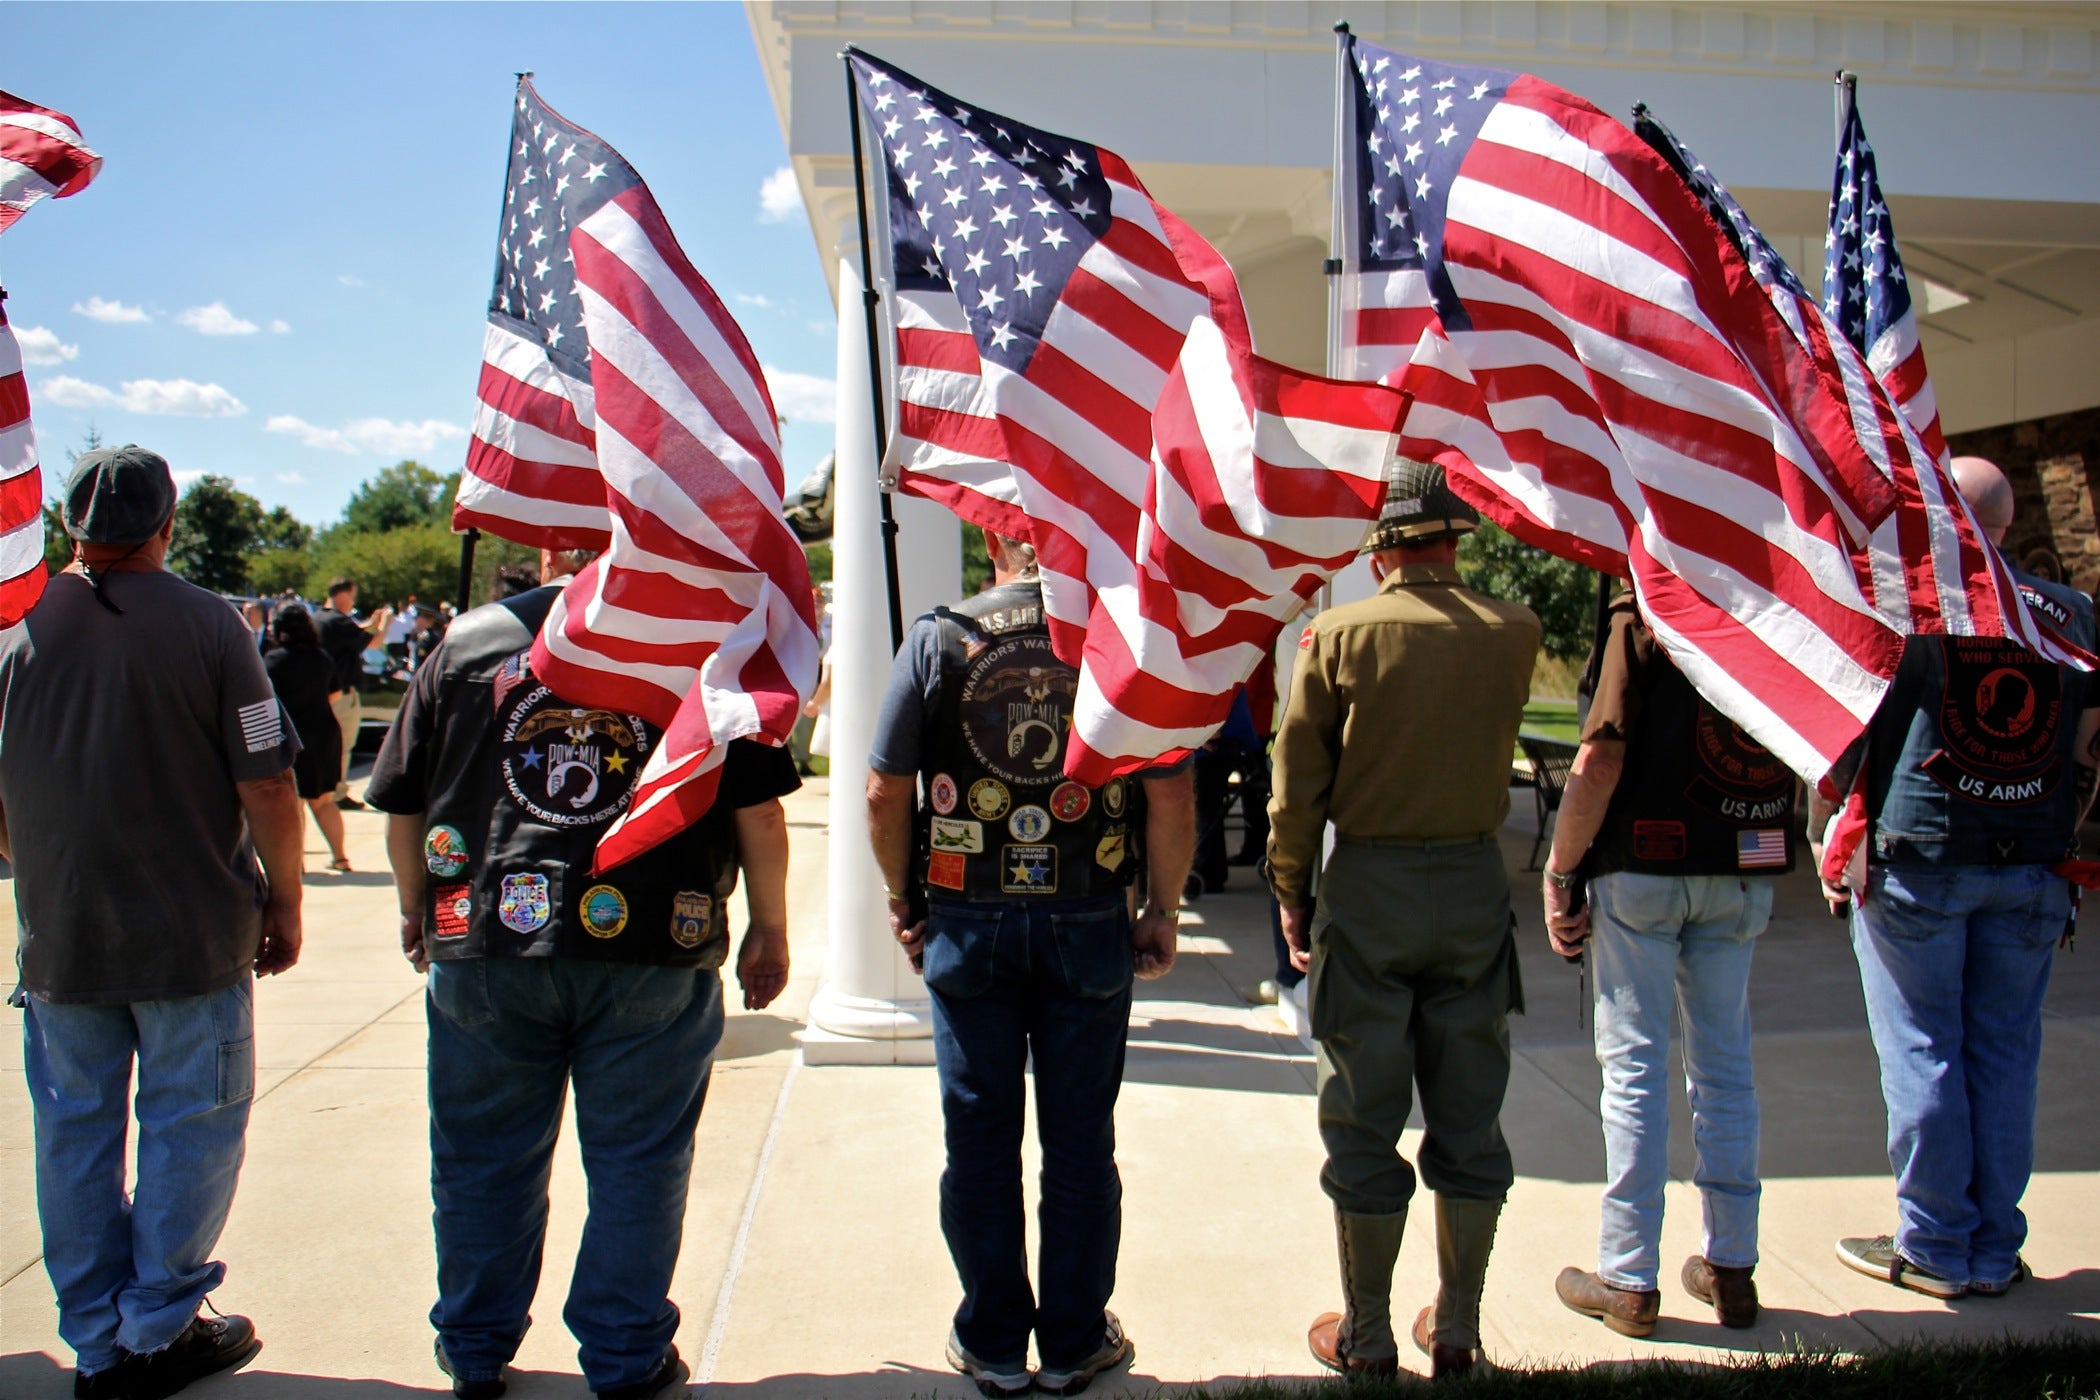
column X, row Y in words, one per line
column 1988, row 493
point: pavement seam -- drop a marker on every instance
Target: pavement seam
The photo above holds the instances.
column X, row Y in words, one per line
column 704, row 1375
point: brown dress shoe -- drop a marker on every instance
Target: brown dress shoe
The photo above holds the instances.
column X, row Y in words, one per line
column 1445, row 1361
column 1623, row 1310
column 1731, row 1293
column 1324, row 1338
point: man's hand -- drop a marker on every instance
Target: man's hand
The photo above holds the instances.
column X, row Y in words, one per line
column 1153, row 940
column 412, row 939
column 762, row 965
column 911, row 935
column 281, row 936
column 1566, row 928
column 1297, row 934
column 1838, row 897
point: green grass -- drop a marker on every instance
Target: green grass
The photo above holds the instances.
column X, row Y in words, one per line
column 1552, row 719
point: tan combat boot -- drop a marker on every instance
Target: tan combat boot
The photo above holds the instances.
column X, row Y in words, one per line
column 1449, row 1332
column 1359, row 1339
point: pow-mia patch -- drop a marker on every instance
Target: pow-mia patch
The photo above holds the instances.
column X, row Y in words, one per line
column 453, row 911
column 966, row 838
column 945, row 868
column 1069, row 801
column 988, row 799
column 444, row 851
column 1740, row 780
column 1113, row 797
column 1028, row 870
column 603, row 911
column 1111, row 850
column 567, row 765
column 1016, row 709
column 1658, row 841
column 1028, row 823
column 1999, row 718
column 691, row 914
column 941, row 791
column 524, row 906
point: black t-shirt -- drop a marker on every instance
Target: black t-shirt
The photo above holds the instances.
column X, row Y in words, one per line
column 303, row 676
column 345, row 643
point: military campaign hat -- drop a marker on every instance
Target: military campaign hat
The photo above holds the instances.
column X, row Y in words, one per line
column 1420, row 508
column 118, row 495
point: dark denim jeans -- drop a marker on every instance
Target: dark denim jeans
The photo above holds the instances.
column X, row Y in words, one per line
column 507, row 1036
column 1011, row 984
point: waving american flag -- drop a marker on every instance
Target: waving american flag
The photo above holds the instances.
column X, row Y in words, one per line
column 621, row 404
column 1075, row 370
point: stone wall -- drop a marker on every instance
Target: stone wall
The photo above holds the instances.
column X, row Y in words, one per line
column 2052, row 463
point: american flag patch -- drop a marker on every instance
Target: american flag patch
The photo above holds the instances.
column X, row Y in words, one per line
column 1756, row 848
column 262, row 727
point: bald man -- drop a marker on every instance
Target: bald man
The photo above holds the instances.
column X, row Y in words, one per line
column 1980, row 767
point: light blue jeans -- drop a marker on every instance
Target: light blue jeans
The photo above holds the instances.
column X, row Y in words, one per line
column 1954, row 961
column 1675, row 946
column 130, row 1271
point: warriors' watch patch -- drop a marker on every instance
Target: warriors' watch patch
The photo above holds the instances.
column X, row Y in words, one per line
column 941, row 792
column 452, row 911
column 989, row 799
column 1028, row 870
column 1029, row 823
column 567, row 765
column 1069, row 801
column 1658, row 841
column 444, row 851
column 966, row 838
column 691, row 914
column 1016, row 709
column 524, row 906
column 602, row 912
column 945, row 868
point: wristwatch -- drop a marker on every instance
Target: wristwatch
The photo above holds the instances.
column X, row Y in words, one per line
column 1562, row 880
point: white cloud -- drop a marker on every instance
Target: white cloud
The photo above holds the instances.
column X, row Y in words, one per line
column 179, row 397
column 802, row 398
column 381, row 435
column 757, row 299
column 291, row 478
column 349, row 279
column 280, row 327
column 216, row 320
column 779, row 197
column 40, row 346
column 114, row 312
column 185, row 478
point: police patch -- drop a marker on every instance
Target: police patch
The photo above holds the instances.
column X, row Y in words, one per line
column 2000, row 716
column 566, row 765
column 1028, row 869
column 960, row 836
column 944, row 868
column 452, row 911
column 1016, row 708
column 524, row 906
column 444, row 851
column 1028, row 823
column 988, row 799
column 691, row 914
column 1069, row 801
column 603, row 911
column 1113, row 797
column 941, row 791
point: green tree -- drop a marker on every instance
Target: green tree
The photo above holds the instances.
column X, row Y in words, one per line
column 58, row 545
column 416, row 560
column 282, row 530
column 1560, row 591
column 407, row 493
column 216, row 528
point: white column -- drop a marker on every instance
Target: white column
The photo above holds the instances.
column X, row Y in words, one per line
column 871, row 1008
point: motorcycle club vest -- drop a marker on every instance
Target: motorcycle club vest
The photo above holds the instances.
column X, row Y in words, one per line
column 1000, row 821
column 1697, row 796
column 1969, row 756
column 523, row 786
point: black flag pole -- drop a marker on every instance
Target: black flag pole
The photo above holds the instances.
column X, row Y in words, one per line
column 869, row 298
column 468, row 538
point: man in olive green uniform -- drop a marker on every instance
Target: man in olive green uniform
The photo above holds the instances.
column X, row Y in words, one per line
column 1402, row 717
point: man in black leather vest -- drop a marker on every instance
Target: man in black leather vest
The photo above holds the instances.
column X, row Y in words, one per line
column 1029, row 950
column 1676, row 820
column 544, row 974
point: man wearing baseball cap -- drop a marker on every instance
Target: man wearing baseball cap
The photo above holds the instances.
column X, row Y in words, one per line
column 1402, row 716
column 126, row 690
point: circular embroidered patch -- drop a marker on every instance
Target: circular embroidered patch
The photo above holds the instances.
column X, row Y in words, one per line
column 989, row 799
column 1029, row 823
column 444, row 851
column 567, row 765
column 941, row 791
column 603, row 911
column 1069, row 802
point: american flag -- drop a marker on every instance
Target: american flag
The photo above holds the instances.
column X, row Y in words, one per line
column 1609, row 375
column 1760, row 848
column 1075, row 370
column 41, row 156
column 611, row 365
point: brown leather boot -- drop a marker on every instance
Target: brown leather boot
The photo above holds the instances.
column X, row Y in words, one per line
column 1731, row 1293
column 1624, row 1310
column 1359, row 1339
column 1449, row 1332
column 1445, row 1360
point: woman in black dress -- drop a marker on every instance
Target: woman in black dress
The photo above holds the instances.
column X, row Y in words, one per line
column 305, row 681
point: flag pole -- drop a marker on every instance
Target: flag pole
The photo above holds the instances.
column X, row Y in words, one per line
column 1336, row 233
column 467, row 540
column 1845, row 88
column 869, row 298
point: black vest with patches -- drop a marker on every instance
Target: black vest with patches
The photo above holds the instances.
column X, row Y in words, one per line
column 1000, row 821
column 1697, row 795
column 523, row 786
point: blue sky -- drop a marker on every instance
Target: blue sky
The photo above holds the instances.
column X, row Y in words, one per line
column 297, row 213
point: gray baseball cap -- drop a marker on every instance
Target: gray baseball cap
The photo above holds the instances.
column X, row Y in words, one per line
column 118, row 495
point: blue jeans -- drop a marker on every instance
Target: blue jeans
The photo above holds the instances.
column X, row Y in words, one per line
column 130, row 1272
column 1011, row 984
column 507, row 1036
column 1954, row 961
column 1675, row 947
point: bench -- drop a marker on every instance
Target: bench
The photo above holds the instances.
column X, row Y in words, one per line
column 1550, row 760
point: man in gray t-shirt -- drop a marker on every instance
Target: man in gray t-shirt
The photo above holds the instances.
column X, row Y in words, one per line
column 144, row 764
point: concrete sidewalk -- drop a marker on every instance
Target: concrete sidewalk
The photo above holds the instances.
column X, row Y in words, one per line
column 813, row 1263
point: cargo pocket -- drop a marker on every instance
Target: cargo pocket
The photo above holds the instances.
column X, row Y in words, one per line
column 233, row 1019
column 962, row 949
column 1094, row 950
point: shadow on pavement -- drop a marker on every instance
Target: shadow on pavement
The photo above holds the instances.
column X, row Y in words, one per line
column 366, row 879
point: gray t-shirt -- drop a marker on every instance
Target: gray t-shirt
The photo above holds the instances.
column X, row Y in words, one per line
column 121, row 739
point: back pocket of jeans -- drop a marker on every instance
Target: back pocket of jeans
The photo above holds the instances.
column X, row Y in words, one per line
column 236, row 1071
column 1094, row 948
column 962, row 949
column 459, row 991
column 654, row 994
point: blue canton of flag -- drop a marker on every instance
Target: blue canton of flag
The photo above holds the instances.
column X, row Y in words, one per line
column 997, row 210
column 1415, row 121
column 1864, row 290
column 559, row 176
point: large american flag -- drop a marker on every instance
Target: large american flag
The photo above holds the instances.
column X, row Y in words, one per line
column 41, row 156
column 620, row 404
column 1075, row 369
column 1611, row 374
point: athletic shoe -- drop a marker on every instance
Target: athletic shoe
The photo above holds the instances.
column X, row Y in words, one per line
column 995, row 1381
column 1115, row 1350
column 1876, row 1256
column 1999, row 1287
